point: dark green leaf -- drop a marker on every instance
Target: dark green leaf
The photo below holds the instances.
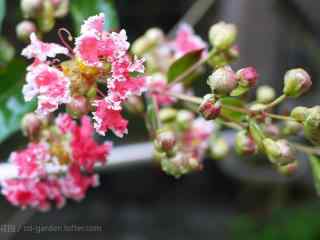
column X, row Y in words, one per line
column 2, row 11
column 12, row 104
column 232, row 101
column 257, row 134
column 315, row 166
column 183, row 64
column 82, row 9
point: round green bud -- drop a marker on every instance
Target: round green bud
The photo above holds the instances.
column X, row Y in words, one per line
column 296, row 82
column 219, row 148
column 288, row 169
column 291, row 127
column 299, row 113
column 279, row 152
column 222, row 35
column 31, row 8
column 167, row 115
column 24, row 29
column 312, row 125
column 222, row 81
column 154, row 36
column 265, row 94
column 184, row 118
column 244, row 144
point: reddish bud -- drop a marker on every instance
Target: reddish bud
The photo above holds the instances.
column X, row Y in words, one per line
column 31, row 125
column 210, row 108
column 248, row 76
column 166, row 140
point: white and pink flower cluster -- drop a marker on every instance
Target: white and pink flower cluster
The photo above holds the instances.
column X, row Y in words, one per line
column 47, row 175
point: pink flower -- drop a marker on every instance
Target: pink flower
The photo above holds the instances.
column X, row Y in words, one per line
column 65, row 123
column 85, row 151
column 186, row 41
column 109, row 117
column 50, row 85
column 94, row 23
column 31, row 161
column 75, row 185
column 41, row 51
column 158, row 87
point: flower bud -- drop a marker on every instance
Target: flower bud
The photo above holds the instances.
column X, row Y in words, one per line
column 247, row 76
column 219, row 148
column 312, row 125
column 265, row 94
column 296, row 82
column 135, row 104
column 299, row 113
column 233, row 53
column 180, row 164
column 210, row 108
column 184, row 118
column 31, row 8
column 288, row 169
column 222, row 35
column 244, row 144
column 61, row 8
column 291, row 127
column 24, row 29
column 154, row 36
column 78, row 106
column 167, row 115
column 222, row 81
column 166, row 141
column 279, row 152
column 139, row 46
column 31, row 125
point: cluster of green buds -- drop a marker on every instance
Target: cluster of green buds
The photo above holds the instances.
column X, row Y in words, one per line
column 43, row 12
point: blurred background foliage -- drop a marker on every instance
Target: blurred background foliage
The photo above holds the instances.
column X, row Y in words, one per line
column 141, row 202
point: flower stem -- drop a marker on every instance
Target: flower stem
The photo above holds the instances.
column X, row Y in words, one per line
column 306, row 149
column 187, row 98
column 280, row 117
column 275, row 102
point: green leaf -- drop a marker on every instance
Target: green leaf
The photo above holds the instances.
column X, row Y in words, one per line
column 152, row 118
column 2, row 11
column 12, row 104
column 232, row 101
column 257, row 134
column 315, row 166
column 82, row 9
column 240, row 90
column 182, row 64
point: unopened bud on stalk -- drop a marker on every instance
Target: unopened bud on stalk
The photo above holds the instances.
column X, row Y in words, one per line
column 78, row 106
column 279, row 152
column 265, row 94
column 288, row 169
column 219, row 148
column 296, row 82
column 244, row 144
column 31, row 8
column 135, row 104
column 222, row 35
column 167, row 115
column 180, row 164
column 299, row 113
column 24, row 29
column 247, row 76
column 292, row 127
column 61, row 8
column 184, row 118
column 222, row 81
column 154, row 36
column 31, row 125
column 312, row 125
column 210, row 107
column 166, row 141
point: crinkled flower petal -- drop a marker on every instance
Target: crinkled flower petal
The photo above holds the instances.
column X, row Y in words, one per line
column 94, row 23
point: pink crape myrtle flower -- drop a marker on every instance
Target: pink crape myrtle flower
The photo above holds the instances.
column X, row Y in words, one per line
column 31, row 161
column 108, row 117
column 85, row 151
column 65, row 123
column 50, row 85
column 186, row 41
column 41, row 51
column 158, row 87
column 75, row 185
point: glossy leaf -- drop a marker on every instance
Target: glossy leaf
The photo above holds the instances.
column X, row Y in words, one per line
column 183, row 64
column 315, row 166
column 12, row 104
column 232, row 101
column 82, row 9
column 2, row 11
